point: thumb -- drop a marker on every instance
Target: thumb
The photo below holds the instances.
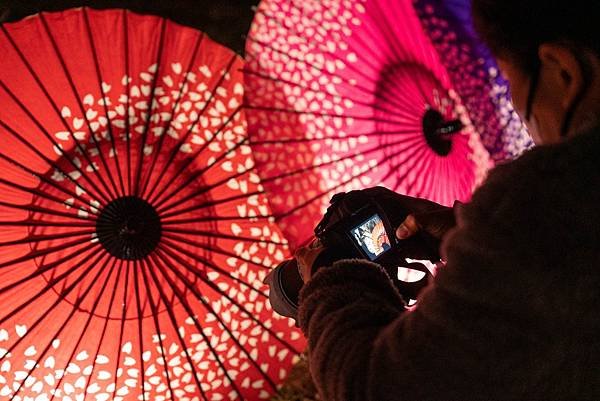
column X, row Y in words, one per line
column 408, row 228
column 435, row 223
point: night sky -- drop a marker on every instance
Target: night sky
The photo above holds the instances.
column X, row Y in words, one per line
column 226, row 21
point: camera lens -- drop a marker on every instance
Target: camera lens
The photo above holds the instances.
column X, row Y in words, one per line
column 285, row 284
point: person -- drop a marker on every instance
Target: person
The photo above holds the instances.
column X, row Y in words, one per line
column 515, row 313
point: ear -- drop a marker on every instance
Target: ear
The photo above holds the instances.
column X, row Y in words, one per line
column 565, row 71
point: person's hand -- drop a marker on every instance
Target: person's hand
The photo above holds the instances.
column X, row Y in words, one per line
column 305, row 258
column 424, row 215
column 435, row 223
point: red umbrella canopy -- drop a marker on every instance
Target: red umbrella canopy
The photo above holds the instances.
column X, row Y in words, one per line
column 347, row 94
column 135, row 233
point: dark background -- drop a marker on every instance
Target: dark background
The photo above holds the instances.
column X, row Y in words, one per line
column 226, row 21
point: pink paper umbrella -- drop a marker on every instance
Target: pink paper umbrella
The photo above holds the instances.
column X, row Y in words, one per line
column 347, row 94
column 134, row 233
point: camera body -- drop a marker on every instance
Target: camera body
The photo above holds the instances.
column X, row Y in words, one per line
column 358, row 226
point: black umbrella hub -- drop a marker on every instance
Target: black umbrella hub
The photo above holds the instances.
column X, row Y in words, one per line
column 438, row 131
column 129, row 228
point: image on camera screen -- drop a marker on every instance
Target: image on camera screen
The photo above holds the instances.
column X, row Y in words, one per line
column 371, row 236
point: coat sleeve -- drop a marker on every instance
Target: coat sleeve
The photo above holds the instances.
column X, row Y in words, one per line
column 469, row 334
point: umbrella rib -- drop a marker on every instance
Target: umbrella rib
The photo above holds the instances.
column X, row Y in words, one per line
column 211, row 203
column 389, row 37
column 44, row 268
column 98, row 193
column 429, row 55
column 161, row 45
column 365, row 60
column 417, row 84
column 201, row 190
column 50, row 182
column 214, row 249
column 128, row 89
column 173, row 111
column 445, row 193
column 323, row 193
column 154, row 308
column 428, row 181
column 86, row 325
column 190, row 160
column 213, row 234
column 463, row 178
column 48, row 286
column 409, row 157
column 58, row 113
column 347, row 157
column 45, row 195
column 320, row 68
column 42, row 223
column 140, row 318
column 38, row 209
column 173, row 320
column 210, row 309
column 408, row 112
column 40, row 238
column 323, row 114
column 219, row 250
column 61, row 328
column 35, row 254
column 464, row 185
column 197, row 324
column 192, row 126
column 378, row 133
column 104, row 329
column 210, row 264
column 407, row 96
column 193, row 288
column 81, row 108
column 105, row 106
column 311, row 46
column 179, row 222
column 372, row 54
column 412, row 157
column 122, row 326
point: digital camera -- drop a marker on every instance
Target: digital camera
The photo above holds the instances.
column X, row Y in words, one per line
column 359, row 226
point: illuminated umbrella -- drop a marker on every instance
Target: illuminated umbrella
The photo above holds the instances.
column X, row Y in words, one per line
column 347, row 94
column 475, row 73
column 135, row 235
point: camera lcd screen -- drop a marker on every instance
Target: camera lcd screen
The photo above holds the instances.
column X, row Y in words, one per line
column 371, row 237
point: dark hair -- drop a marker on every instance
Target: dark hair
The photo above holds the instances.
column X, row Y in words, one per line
column 3, row 14
column 516, row 28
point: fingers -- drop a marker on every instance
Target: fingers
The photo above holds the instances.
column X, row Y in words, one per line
column 408, row 228
column 305, row 258
column 436, row 223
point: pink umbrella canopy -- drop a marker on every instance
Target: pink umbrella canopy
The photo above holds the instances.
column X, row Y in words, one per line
column 347, row 94
column 135, row 232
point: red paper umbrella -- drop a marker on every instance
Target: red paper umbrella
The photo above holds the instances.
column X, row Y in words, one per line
column 135, row 235
column 346, row 94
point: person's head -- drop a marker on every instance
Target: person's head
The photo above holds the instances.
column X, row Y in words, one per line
column 549, row 50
